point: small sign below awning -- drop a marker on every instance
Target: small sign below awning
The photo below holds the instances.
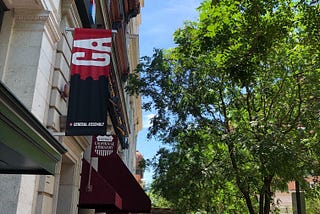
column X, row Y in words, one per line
column 116, row 173
column 101, row 195
column 104, row 146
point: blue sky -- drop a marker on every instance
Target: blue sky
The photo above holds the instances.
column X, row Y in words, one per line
column 159, row 21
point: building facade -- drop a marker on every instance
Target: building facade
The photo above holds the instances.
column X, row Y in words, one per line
column 140, row 168
column 41, row 169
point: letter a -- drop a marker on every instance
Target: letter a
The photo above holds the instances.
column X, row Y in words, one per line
column 94, row 44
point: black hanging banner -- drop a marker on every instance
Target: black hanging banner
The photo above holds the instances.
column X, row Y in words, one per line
column 90, row 67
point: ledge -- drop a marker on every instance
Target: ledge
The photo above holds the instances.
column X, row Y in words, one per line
column 26, row 146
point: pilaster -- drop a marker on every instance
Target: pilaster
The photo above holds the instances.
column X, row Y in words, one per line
column 70, row 12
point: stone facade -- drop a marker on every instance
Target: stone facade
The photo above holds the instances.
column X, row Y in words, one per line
column 35, row 53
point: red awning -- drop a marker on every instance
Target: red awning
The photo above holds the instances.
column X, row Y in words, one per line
column 102, row 195
column 116, row 173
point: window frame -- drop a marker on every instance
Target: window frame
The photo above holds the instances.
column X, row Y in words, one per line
column 3, row 8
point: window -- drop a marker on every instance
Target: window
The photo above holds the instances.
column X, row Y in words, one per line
column 92, row 11
column 86, row 9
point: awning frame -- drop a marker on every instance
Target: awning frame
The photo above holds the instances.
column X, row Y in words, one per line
column 116, row 173
column 101, row 195
column 24, row 135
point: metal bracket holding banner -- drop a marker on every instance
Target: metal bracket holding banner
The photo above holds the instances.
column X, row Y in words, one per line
column 72, row 29
column 58, row 133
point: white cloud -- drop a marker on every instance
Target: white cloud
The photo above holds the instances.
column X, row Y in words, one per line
column 146, row 120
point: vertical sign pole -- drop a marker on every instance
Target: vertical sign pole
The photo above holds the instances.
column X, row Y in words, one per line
column 298, row 198
column 89, row 186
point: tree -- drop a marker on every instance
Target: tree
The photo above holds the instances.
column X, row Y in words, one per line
column 313, row 199
column 230, row 98
column 158, row 201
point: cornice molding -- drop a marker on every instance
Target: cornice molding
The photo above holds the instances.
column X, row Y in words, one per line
column 23, row 15
column 44, row 17
column 26, row 4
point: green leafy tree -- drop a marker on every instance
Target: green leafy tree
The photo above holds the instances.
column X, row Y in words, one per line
column 238, row 101
column 313, row 199
column 158, row 201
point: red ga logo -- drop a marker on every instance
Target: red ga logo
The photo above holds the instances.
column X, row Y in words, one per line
column 91, row 57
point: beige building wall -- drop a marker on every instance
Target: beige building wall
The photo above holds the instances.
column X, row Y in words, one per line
column 35, row 53
column 133, row 103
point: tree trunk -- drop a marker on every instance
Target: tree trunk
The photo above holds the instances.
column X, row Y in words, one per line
column 246, row 195
column 241, row 185
column 267, row 194
column 261, row 200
